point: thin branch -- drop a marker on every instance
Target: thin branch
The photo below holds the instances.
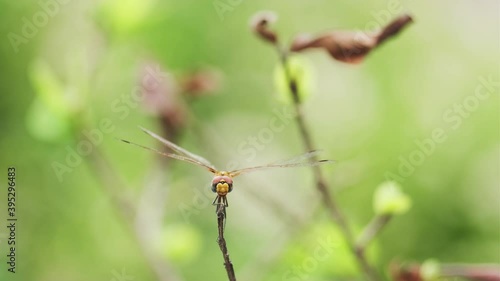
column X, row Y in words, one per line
column 370, row 231
column 480, row 272
column 321, row 183
column 476, row 272
column 221, row 219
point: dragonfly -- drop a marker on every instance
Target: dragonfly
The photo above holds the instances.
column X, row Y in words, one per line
column 222, row 182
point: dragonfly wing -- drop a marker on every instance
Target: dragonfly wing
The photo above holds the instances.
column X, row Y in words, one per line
column 179, row 149
column 303, row 160
column 175, row 156
column 300, row 158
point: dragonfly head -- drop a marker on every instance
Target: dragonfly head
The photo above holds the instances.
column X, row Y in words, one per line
column 222, row 184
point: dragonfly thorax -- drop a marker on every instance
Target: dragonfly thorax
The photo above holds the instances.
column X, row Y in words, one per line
column 222, row 184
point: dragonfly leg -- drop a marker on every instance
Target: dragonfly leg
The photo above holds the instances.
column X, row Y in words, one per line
column 220, row 200
column 216, row 199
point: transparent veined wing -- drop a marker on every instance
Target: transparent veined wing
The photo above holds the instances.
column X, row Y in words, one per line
column 175, row 156
column 303, row 160
column 179, row 149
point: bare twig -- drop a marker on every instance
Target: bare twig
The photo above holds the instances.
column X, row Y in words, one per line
column 370, row 231
column 221, row 219
column 479, row 272
column 475, row 272
column 321, row 183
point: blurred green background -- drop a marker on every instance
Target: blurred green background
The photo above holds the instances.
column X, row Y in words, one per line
column 69, row 72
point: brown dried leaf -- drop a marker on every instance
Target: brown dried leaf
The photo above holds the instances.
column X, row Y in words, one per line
column 202, row 82
column 350, row 46
column 393, row 28
column 344, row 46
column 260, row 25
column 161, row 97
column 405, row 272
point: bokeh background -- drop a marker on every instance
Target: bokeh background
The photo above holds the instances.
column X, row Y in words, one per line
column 83, row 60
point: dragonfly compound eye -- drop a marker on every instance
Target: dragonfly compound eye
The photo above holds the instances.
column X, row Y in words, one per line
column 222, row 188
column 222, row 185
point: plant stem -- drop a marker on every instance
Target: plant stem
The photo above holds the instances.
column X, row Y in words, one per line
column 321, row 183
column 370, row 231
column 221, row 218
column 483, row 272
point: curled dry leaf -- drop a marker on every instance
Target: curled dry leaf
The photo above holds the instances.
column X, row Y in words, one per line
column 160, row 96
column 159, row 89
column 350, row 46
column 404, row 272
column 201, row 82
column 260, row 25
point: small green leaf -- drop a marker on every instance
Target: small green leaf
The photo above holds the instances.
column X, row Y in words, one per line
column 430, row 270
column 390, row 200
column 126, row 15
column 47, row 87
column 302, row 72
column 181, row 243
column 44, row 125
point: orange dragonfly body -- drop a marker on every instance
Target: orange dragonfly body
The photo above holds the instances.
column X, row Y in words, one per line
column 222, row 183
